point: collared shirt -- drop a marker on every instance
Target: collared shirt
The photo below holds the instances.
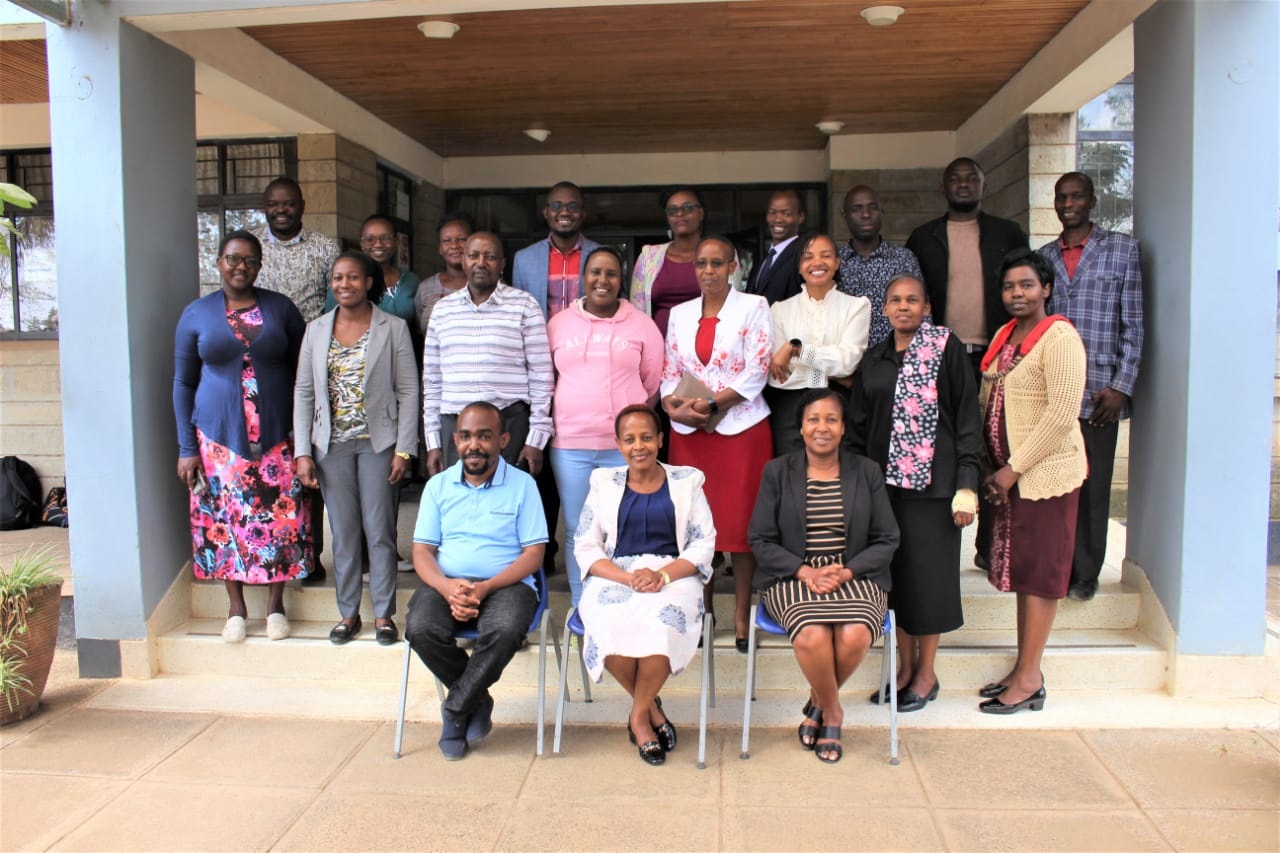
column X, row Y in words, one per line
column 832, row 333
column 1071, row 254
column 298, row 268
column 564, row 275
column 496, row 351
column 480, row 530
column 870, row 276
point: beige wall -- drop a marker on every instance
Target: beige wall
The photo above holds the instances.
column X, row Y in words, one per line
column 31, row 407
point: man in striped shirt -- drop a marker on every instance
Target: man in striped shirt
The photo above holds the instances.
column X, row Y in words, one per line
column 487, row 341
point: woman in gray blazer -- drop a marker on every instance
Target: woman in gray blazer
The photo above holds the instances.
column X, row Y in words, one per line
column 355, row 414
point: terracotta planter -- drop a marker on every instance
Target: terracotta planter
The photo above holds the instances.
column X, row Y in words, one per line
column 40, row 641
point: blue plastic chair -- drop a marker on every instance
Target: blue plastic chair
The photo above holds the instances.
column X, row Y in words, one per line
column 573, row 627
column 539, row 624
column 762, row 621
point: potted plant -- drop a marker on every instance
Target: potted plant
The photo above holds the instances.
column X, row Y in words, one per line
column 30, row 609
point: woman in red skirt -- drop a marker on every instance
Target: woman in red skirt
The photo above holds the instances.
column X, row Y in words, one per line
column 717, row 363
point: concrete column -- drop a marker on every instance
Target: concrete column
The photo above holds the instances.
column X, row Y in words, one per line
column 122, row 107
column 1206, row 178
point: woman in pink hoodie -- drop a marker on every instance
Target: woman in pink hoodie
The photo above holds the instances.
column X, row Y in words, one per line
column 608, row 356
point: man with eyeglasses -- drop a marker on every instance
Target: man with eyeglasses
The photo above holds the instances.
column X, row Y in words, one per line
column 868, row 262
column 551, row 270
column 296, row 262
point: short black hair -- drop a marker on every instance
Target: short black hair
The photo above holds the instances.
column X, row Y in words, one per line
column 459, row 216
column 369, row 267
column 959, row 160
column 608, row 250
column 283, row 181
column 817, row 395
column 566, row 185
column 378, row 217
column 807, row 240
column 719, row 238
column 484, row 406
column 636, row 409
column 907, row 276
column 240, row 234
column 792, row 191
column 665, row 196
column 1079, row 176
column 1024, row 257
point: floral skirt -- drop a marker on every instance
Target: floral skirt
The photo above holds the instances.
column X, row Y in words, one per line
column 630, row 624
column 252, row 524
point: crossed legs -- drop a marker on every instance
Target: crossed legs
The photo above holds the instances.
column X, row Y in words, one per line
column 642, row 678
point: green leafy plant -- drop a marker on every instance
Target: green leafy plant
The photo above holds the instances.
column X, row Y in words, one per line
column 15, row 196
column 32, row 570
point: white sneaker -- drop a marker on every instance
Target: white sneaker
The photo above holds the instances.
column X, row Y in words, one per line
column 277, row 626
column 234, row 631
column 405, row 566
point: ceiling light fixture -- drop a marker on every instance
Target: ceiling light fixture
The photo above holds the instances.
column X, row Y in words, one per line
column 830, row 127
column 882, row 16
column 537, row 134
column 439, row 29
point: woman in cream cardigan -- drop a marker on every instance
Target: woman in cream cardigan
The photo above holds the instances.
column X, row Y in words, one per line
column 1033, row 379
column 355, row 410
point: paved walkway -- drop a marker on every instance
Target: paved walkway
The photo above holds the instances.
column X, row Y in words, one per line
column 81, row 777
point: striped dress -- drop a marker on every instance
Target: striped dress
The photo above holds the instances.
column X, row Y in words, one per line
column 793, row 605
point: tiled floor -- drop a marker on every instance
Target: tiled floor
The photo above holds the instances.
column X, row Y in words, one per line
column 79, row 777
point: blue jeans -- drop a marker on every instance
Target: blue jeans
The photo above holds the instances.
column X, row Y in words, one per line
column 573, row 479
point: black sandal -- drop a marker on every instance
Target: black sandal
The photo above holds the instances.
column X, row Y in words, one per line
column 829, row 753
column 343, row 632
column 812, row 714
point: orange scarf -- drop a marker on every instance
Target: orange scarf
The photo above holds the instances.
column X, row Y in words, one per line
column 1028, row 343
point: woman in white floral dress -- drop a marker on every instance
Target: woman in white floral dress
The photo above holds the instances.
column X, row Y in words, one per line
column 645, row 541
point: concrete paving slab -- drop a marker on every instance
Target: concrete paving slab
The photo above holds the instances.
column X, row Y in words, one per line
column 997, row 829
column 305, row 756
column 352, row 820
column 572, row 775
column 182, row 816
column 650, row 821
column 826, row 828
column 1192, row 769
column 1204, row 829
column 36, row 811
column 91, row 742
column 1013, row 770
column 64, row 691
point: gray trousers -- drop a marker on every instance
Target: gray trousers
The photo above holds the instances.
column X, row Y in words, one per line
column 353, row 479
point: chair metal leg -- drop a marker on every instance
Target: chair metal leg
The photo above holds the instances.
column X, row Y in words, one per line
column 404, row 697
column 440, row 691
column 891, row 649
column 563, row 692
column 586, row 677
column 542, row 678
column 708, row 642
column 708, row 681
column 749, row 694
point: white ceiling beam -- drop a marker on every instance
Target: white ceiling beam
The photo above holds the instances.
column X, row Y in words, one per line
column 159, row 16
column 1089, row 32
column 16, row 23
column 248, row 77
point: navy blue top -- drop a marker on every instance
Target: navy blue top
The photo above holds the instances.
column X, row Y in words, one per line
column 647, row 524
column 207, row 357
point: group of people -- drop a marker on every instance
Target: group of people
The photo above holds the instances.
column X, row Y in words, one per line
column 829, row 419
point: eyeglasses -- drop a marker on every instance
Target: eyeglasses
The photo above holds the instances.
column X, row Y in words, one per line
column 250, row 262
column 714, row 263
column 570, row 206
column 686, row 208
column 375, row 239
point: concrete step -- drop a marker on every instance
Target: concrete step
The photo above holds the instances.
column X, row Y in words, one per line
column 1088, row 659
column 1115, row 607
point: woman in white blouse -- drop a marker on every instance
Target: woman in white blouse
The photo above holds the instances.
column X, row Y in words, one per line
column 819, row 336
column 716, row 366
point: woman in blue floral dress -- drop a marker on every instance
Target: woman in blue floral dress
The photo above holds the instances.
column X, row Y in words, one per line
column 235, row 356
column 645, row 541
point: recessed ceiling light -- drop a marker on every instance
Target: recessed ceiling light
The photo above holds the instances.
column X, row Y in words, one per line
column 537, row 134
column 882, row 16
column 439, row 29
column 830, row 127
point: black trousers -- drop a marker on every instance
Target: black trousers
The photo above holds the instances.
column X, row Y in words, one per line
column 1095, row 502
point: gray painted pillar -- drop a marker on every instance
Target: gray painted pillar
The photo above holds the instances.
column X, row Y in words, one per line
column 1206, row 182
column 122, row 115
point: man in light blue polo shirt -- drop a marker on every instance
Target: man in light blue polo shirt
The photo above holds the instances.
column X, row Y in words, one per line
column 477, row 544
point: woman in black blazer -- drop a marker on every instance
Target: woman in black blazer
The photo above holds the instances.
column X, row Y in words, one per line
column 823, row 534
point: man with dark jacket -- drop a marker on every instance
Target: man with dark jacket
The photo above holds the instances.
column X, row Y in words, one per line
column 960, row 256
column 777, row 276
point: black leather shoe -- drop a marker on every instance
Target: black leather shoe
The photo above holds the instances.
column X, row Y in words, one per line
column 742, row 644
column 994, row 706
column 651, row 751
column 992, row 690
column 666, row 732
column 344, row 633
column 874, row 698
column 909, row 700
column 387, row 635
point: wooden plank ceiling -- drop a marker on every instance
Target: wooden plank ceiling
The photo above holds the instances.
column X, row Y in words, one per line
column 697, row 77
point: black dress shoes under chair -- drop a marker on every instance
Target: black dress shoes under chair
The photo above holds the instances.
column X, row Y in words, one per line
column 909, row 700
column 994, row 706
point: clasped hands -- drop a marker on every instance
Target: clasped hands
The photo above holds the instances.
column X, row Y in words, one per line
column 997, row 485
column 690, row 411
column 823, row 580
column 645, row 580
column 463, row 598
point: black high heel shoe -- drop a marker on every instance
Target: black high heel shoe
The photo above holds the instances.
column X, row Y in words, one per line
column 651, row 751
column 992, row 690
column 666, row 732
column 994, row 706
column 909, row 700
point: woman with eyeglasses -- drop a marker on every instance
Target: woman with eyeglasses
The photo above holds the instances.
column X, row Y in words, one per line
column 235, row 358
column 453, row 232
column 378, row 240
column 664, row 276
column 716, row 365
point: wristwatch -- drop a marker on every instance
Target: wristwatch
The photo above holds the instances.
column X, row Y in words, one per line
column 712, row 405
column 797, row 343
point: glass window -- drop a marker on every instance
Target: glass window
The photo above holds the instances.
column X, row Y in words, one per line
column 207, row 170
column 1104, row 152
column 208, row 235
column 6, row 295
column 250, row 167
column 34, row 173
column 37, row 275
